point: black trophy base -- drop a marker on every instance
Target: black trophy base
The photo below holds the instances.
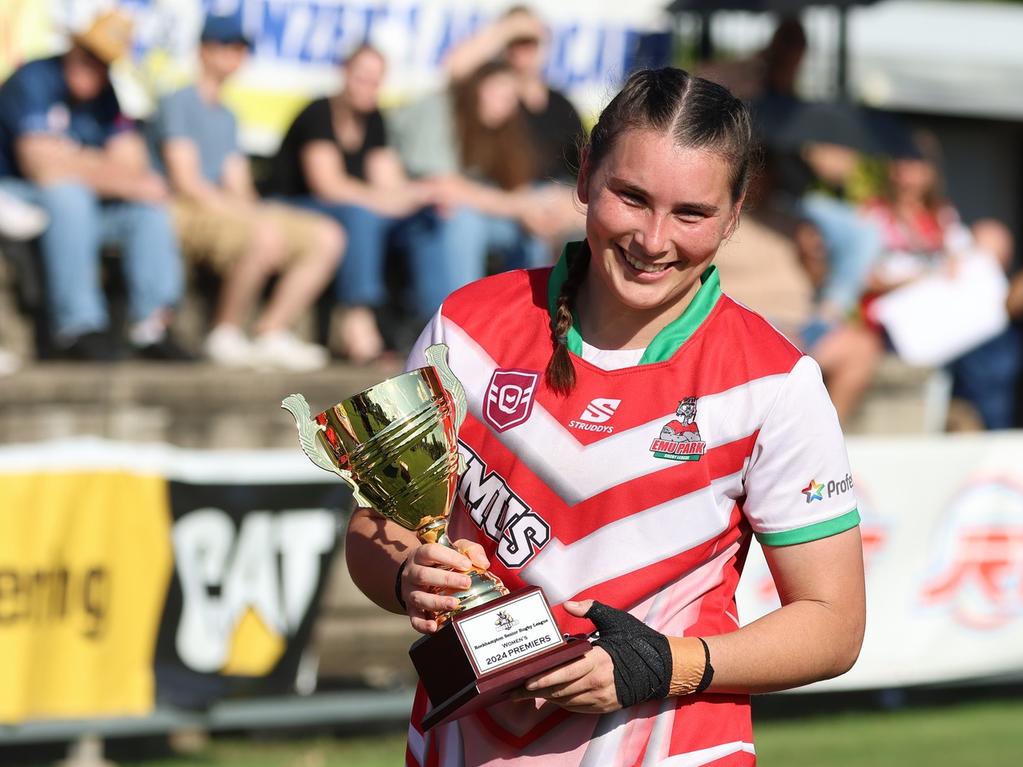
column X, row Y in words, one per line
column 455, row 685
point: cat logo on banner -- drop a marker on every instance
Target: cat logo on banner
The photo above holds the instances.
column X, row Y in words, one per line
column 249, row 564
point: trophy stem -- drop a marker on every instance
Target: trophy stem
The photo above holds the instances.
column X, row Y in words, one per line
column 484, row 587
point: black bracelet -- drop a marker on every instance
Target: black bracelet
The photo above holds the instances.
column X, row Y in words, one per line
column 397, row 585
column 708, row 670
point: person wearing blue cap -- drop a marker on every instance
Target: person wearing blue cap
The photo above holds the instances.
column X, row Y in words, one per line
column 222, row 223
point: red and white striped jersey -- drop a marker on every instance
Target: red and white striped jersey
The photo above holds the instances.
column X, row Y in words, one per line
column 641, row 489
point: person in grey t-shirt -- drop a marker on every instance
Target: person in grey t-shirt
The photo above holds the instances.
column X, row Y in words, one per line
column 222, row 222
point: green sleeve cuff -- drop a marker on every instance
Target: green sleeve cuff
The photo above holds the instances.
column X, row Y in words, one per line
column 812, row 532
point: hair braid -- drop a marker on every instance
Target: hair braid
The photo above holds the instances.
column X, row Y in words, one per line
column 560, row 373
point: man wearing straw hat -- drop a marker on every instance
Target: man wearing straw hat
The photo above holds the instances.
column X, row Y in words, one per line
column 66, row 146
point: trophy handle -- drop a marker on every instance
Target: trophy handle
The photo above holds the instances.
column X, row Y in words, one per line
column 437, row 355
column 307, row 429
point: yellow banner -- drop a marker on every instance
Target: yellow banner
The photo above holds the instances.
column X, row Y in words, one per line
column 85, row 560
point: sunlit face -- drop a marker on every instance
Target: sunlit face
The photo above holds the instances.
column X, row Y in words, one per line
column 526, row 56
column 497, row 99
column 915, row 178
column 85, row 75
column 656, row 215
column 223, row 59
column 364, row 75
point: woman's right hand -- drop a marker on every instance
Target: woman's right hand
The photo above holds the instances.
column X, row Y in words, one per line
column 432, row 573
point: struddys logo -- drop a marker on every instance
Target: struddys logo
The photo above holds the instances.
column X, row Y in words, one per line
column 509, row 399
column 975, row 572
column 504, row 621
column 680, row 439
column 817, row 491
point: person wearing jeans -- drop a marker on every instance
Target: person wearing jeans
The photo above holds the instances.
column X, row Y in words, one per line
column 336, row 159
column 66, row 147
column 80, row 225
column 444, row 251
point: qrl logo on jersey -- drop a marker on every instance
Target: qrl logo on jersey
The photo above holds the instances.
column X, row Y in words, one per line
column 510, row 398
column 680, row 439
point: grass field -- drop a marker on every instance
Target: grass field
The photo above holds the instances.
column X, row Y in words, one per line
column 971, row 735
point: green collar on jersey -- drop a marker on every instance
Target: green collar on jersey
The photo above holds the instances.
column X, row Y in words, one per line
column 671, row 336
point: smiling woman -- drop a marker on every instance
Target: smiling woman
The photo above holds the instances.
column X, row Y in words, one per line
column 652, row 234
column 710, row 425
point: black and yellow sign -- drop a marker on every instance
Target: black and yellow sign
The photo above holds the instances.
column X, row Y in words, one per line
column 250, row 562
column 85, row 559
column 118, row 590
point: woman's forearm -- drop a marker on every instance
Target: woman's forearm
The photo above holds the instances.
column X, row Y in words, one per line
column 817, row 632
column 374, row 548
column 800, row 643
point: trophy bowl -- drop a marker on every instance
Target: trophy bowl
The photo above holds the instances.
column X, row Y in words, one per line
column 396, row 445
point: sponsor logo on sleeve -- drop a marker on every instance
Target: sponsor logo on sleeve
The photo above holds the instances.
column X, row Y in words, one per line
column 817, row 491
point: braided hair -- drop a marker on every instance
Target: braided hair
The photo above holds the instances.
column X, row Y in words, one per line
column 698, row 114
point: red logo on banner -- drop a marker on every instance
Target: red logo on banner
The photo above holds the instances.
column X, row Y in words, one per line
column 987, row 571
column 977, row 570
column 510, row 398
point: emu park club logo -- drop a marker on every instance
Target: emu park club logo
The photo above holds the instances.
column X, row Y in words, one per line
column 680, row 438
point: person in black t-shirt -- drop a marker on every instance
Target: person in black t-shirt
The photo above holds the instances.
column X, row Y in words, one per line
column 519, row 38
column 335, row 159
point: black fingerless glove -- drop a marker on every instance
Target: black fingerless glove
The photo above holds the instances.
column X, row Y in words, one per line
column 641, row 656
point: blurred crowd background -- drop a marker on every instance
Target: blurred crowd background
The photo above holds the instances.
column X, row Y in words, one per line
column 317, row 176
column 208, row 204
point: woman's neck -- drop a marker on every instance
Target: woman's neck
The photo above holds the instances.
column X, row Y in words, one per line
column 908, row 205
column 607, row 324
column 209, row 87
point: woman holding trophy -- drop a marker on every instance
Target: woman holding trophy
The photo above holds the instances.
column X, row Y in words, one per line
column 629, row 429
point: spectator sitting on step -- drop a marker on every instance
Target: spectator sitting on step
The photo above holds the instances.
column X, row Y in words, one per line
column 336, row 159
column 764, row 266
column 66, row 147
column 520, row 38
column 922, row 233
column 815, row 160
column 221, row 221
column 470, row 143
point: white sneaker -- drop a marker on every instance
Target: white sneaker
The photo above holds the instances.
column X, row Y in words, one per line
column 9, row 363
column 285, row 351
column 227, row 345
column 20, row 220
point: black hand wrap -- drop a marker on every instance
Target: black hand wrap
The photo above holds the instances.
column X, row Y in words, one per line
column 641, row 656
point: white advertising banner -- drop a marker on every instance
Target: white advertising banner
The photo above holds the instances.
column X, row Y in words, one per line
column 298, row 44
column 943, row 548
column 942, row 526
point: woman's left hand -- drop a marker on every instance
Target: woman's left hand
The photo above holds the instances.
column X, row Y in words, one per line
column 585, row 685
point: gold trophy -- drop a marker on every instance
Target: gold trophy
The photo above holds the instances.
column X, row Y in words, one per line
column 396, row 446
